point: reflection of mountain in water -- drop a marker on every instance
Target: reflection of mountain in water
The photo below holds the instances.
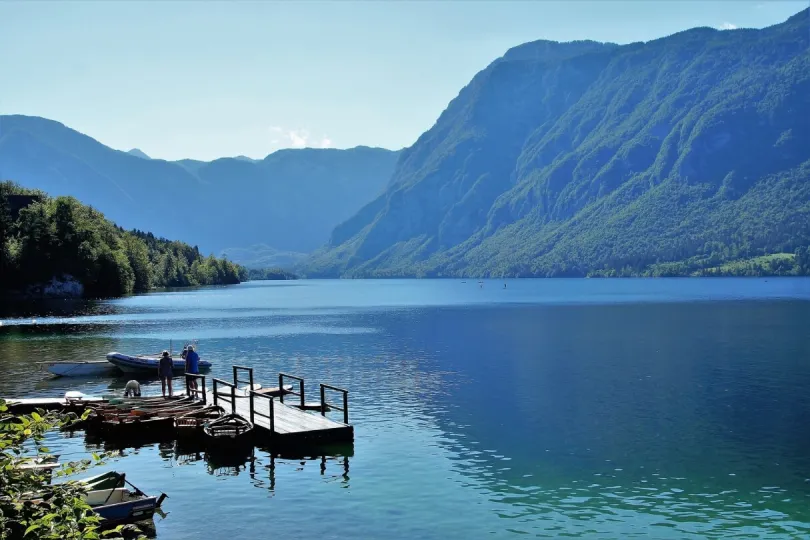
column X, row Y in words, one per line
column 574, row 415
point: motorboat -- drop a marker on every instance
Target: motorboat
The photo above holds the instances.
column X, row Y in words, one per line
column 141, row 364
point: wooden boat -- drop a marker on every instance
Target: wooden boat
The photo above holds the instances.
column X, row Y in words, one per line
column 123, row 427
column 38, row 465
column 119, row 505
column 107, row 480
column 191, row 423
column 88, row 368
column 228, row 431
column 156, row 404
column 149, row 364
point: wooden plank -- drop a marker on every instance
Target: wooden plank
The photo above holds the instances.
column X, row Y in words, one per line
column 290, row 421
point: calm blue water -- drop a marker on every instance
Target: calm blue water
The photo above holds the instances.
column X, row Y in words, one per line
column 555, row 408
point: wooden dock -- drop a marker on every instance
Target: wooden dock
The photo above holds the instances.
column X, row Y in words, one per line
column 280, row 421
column 295, row 422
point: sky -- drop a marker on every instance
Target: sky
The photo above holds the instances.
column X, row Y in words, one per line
column 212, row 79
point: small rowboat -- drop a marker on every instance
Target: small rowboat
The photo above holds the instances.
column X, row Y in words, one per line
column 88, row 368
column 122, row 427
column 119, row 505
column 228, row 431
column 107, row 480
column 149, row 364
column 191, row 423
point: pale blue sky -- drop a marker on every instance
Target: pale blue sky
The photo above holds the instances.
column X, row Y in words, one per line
column 208, row 79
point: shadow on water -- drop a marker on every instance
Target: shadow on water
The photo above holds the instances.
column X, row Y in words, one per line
column 255, row 461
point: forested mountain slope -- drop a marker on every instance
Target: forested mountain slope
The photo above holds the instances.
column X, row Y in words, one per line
column 573, row 159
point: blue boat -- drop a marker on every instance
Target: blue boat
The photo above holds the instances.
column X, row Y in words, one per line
column 141, row 364
column 119, row 505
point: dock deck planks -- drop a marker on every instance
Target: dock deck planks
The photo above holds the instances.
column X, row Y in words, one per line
column 290, row 422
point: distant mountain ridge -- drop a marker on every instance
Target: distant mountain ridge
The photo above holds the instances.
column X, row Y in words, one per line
column 584, row 158
column 291, row 200
column 262, row 256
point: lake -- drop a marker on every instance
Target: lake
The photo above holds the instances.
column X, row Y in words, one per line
column 658, row 408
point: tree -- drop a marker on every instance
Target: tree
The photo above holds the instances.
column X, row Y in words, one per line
column 30, row 505
column 138, row 256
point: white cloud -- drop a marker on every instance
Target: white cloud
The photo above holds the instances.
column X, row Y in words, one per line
column 281, row 137
column 728, row 26
column 298, row 138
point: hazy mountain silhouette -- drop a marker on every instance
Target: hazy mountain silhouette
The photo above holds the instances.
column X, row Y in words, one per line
column 291, row 200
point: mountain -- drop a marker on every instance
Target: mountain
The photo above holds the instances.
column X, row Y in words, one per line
column 263, row 256
column 584, row 158
column 138, row 153
column 291, row 200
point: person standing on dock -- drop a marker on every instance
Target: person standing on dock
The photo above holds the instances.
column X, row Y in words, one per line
column 192, row 366
column 165, row 367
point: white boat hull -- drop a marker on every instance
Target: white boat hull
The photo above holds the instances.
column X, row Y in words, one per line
column 80, row 369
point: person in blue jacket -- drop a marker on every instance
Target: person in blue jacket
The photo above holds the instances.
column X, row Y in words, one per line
column 192, row 366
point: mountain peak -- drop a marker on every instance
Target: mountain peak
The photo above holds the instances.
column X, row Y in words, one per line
column 138, row 153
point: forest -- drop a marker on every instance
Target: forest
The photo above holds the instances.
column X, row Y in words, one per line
column 270, row 274
column 45, row 239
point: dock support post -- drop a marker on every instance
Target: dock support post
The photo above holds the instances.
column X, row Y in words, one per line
column 252, row 408
column 205, row 398
column 233, row 399
column 281, row 387
column 345, row 407
column 272, row 418
column 302, row 394
column 323, row 401
column 215, row 392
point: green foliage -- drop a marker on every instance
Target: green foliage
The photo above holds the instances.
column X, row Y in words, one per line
column 45, row 238
column 30, row 505
column 258, row 274
column 671, row 157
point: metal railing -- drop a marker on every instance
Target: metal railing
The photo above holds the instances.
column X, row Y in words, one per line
column 325, row 405
column 200, row 390
column 254, row 413
column 300, row 392
column 222, row 397
column 237, row 380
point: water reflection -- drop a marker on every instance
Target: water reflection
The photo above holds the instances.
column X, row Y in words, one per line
column 190, row 451
column 682, row 424
column 597, row 420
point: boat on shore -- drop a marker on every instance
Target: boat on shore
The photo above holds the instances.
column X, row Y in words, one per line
column 87, row 368
column 141, row 364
